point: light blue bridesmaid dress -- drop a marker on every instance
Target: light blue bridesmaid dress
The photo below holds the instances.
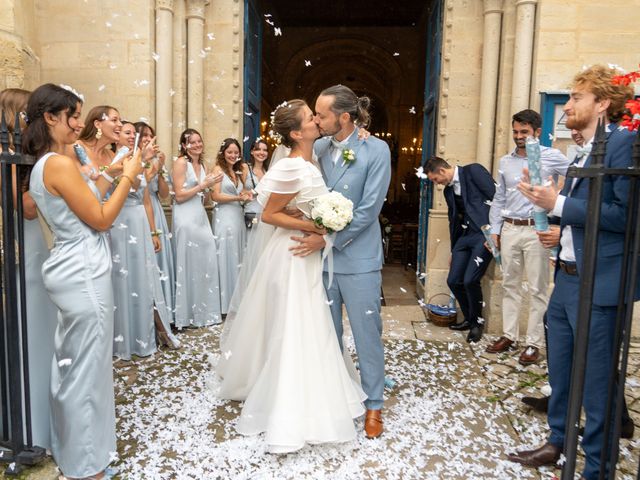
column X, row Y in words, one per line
column 252, row 207
column 77, row 276
column 41, row 326
column 230, row 231
column 136, row 282
column 164, row 257
column 197, row 300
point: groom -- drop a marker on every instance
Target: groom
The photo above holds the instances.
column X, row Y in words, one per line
column 357, row 250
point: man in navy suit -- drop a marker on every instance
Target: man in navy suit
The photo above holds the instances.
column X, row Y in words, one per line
column 593, row 97
column 468, row 193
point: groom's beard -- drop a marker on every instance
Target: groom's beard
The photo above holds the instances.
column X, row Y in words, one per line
column 329, row 133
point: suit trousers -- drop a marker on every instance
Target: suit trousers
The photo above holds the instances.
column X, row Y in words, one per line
column 469, row 262
column 561, row 320
column 360, row 293
column 520, row 249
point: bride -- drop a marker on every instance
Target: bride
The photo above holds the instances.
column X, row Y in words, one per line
column 279, row 351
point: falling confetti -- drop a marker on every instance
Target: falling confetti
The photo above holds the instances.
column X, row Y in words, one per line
column 277, row 32
column 478, row 261
column 307, row 63
column 412, row 110
column 65, row 362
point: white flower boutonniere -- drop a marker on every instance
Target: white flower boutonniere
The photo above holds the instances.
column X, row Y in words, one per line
column 348, row 156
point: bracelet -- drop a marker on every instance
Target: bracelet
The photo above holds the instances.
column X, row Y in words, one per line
column 128, row 178
column 106, row 176
column 156, row 233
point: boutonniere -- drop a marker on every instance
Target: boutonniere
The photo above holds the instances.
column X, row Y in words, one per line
column 348, row 156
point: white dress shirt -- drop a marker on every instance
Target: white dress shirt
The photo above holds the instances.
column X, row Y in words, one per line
column 338, row 151
column 567, row 250
column 455, row 182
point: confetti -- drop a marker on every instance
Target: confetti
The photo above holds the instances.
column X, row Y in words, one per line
column 307, row 63
column 412, row 110
column 478, row 261
column 65, row 362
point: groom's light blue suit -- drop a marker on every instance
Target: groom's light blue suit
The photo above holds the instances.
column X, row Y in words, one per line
column 357, row 252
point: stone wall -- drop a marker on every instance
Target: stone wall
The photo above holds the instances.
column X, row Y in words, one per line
column 18, row 45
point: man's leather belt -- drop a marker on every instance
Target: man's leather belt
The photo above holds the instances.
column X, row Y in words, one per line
column 519, row 221
column 569, row 268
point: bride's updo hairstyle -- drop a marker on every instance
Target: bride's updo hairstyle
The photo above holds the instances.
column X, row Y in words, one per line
column 287, row 118
column 345, row 100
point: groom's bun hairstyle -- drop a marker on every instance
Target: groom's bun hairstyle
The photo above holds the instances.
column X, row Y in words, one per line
column 346, row 101
column 287, row 118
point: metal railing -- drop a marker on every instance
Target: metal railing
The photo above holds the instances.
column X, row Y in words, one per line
column 16, row 446
column 596, row 172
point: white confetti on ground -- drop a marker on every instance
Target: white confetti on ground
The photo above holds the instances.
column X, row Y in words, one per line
column 439, row 423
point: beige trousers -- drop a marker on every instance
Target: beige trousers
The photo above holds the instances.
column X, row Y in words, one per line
column 522, row 251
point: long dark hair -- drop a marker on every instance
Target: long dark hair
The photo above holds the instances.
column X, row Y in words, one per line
column 254, row 145
column 184, row 139
column 222, row 163
column 47, row 98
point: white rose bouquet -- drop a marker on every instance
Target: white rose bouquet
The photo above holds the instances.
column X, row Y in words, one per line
column 333, row 211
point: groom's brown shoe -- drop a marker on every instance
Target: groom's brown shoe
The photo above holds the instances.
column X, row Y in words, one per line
column 373, row 424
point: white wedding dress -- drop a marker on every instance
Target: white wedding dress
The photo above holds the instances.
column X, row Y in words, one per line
column 279, row 350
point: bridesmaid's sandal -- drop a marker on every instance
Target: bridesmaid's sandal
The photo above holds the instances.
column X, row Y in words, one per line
column 162, row 337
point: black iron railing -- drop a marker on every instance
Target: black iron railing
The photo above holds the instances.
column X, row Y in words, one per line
column 16, row 447
column 596, row 172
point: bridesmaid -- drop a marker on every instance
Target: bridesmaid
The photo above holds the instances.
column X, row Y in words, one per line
column 258, row 167
column 77, row 276
column 141, row 318
column 228, row 221
column 195, row 254
column 41, row 313
column 160, row 190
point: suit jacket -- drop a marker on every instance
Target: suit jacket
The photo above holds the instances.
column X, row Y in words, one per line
column 365, row 181
column 613, row 219
column 477, row 189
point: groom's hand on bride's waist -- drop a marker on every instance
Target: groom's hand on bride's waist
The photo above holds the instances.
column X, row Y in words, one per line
column 307, row 244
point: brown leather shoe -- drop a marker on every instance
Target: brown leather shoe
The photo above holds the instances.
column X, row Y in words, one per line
column 373, row 424
column 547, row 454
column 501, row 345
column 529, row 356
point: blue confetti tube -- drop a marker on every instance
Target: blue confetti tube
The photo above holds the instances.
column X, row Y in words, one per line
column 535, row 179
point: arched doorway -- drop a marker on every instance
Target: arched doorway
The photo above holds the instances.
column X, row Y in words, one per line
column 378, row 49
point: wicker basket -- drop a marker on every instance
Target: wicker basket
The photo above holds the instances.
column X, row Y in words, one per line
column 437, row 318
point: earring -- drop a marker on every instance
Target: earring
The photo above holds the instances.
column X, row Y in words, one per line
column 99, row 134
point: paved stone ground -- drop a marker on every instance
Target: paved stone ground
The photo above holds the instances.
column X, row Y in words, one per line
column 452, row 413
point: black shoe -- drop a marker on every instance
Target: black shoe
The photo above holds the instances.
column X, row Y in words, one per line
column 538, row 404
column 626, row 430
column 475, row 334
column 459, row 327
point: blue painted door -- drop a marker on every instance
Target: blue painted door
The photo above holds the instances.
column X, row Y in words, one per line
column 252, row 74
column 429, row 132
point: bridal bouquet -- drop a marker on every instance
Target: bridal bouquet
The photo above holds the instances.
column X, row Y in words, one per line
column 332, row 211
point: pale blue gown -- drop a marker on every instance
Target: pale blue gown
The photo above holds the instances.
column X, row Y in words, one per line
column 164, row 257
column 41, row 326
column 197, row 301
column 136, row 282
column 77, row 276
column 230, row 231
column 252, row 207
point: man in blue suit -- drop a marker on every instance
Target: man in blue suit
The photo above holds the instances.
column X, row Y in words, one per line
column 361, row 171
column 593, row 97
column 468, row 192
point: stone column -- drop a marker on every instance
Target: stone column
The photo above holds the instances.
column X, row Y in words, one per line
column 489, row 82
column 164, row 70
column 195, row 63
column 523, row 54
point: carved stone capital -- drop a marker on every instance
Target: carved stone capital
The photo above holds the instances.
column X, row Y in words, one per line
column 195, row 9
column 164, row 5
column 493, row 6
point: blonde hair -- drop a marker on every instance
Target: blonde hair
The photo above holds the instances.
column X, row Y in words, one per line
column 598, row 80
